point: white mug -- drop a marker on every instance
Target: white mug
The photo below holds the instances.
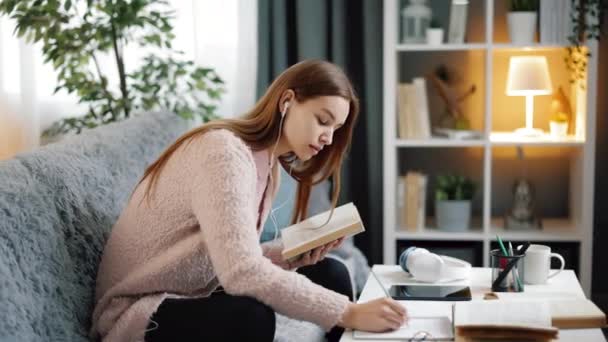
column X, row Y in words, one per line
column 537, row 264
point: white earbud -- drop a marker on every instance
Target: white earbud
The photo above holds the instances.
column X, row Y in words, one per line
column 285, row 106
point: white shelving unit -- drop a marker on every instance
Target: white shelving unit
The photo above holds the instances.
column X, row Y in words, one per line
column 577, row 228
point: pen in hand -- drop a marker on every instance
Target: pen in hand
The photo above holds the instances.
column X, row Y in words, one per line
column 405, row 323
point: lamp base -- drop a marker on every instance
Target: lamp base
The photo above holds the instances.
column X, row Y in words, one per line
column 529, row 132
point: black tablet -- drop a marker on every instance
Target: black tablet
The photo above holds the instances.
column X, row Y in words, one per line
column 431, row 292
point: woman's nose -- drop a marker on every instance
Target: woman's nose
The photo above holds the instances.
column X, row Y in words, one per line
column 327, row 137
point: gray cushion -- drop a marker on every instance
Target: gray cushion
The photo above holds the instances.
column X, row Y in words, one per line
column 57, row 206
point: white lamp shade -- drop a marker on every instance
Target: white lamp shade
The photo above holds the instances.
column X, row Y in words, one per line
column 528, row 75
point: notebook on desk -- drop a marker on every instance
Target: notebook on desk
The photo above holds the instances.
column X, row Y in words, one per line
column 417, row 329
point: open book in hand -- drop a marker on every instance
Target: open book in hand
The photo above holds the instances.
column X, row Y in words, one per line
column 312, row 233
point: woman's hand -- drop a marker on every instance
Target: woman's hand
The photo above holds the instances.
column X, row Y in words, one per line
column 378, row 315
column 314, row 256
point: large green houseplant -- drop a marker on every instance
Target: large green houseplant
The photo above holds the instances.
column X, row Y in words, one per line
column 75, row 33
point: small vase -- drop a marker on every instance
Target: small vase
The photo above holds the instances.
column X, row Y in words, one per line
column 522, row 27
column 434, row 36
column 559, row 130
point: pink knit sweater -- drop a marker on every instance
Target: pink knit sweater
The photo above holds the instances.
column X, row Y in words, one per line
column 201, row 230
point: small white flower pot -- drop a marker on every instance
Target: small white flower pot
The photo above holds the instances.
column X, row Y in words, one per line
column 434, row 36
column 558, row 130
column 453, row 216
column 522, row 26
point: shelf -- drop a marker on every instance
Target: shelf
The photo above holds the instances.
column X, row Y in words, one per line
column 526, row 47
column 439, row 142
column 478, row 46
column 496, row 139
column 561, row 170
column 553, row 230
column 509, row 138
column 436, row 234
column 442, row 47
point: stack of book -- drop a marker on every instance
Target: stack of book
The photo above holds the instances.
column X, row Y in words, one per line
column 413, row 110
column 412, row 201
column 555, row 24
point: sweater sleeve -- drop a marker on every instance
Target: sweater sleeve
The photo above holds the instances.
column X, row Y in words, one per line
column 273, row 251
column 223, row 199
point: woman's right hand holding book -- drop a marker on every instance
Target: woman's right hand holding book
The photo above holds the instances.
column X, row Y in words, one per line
column 378, row 315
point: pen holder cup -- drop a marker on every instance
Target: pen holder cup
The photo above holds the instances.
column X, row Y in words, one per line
column 507, row 272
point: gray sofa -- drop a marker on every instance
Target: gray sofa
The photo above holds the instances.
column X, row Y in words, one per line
column 57, row 206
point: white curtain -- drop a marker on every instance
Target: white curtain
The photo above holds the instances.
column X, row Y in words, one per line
column 217, row 34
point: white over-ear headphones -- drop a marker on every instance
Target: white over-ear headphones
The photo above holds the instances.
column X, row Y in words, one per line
column 429, row 267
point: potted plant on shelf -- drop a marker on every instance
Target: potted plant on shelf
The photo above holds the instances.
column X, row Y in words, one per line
column 522, row 21
column 434, row 33
column 558, row 125
column 453, row 195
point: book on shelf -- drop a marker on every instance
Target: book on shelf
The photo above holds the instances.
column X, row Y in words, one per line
column 545, row 24
column 413, row 110
column 555, row 24
column 423, row 124
column 317, row 231
column 458, row 21
column 564, row 21
column 412, row 201
column 402, row 110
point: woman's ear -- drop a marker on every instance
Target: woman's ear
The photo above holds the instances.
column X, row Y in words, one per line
column 287, row 99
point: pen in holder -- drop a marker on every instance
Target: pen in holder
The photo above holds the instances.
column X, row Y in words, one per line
column 507, row 271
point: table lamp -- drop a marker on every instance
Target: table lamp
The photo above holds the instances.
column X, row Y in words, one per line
column 528, row 76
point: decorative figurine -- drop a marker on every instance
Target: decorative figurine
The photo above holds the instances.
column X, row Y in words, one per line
column 522, row 214
column 445, row 81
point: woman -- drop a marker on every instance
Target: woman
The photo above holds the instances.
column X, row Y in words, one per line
column 184, row 261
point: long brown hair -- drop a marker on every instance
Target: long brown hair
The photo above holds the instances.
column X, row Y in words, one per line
column 259, row 128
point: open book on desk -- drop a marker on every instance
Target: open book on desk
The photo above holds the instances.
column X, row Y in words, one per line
column 568, row 310
column 312, row 233
column 517, row 320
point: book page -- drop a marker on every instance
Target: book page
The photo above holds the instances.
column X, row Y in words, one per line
column 503, row 314
column 574, row 308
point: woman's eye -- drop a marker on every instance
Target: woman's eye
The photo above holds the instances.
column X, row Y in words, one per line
column 322, row 122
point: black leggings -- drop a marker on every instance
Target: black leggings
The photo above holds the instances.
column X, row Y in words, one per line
column 222, row 317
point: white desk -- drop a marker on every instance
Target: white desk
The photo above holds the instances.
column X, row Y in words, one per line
column 480, row 284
